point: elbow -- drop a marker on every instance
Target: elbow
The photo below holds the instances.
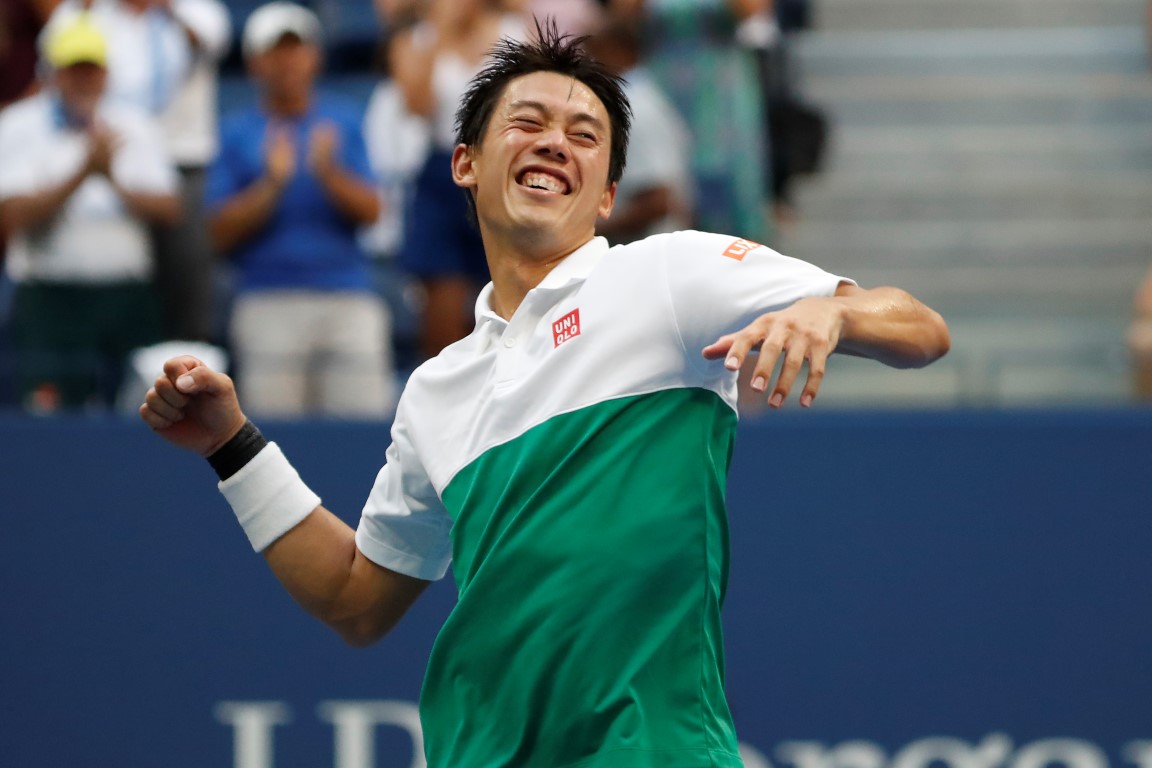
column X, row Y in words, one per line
column 941, row 339
column 358, row 632
column 935, row 340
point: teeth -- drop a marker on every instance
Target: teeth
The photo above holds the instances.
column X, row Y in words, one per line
column 543, row 181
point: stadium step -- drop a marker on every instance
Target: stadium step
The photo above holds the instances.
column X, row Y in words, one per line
column 1002, row 174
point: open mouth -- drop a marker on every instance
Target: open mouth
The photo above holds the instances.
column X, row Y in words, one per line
column 534, row 179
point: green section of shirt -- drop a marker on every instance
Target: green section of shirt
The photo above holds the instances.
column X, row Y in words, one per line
column 591, row 556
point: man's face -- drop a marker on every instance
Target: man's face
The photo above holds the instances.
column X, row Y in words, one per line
column 288, row 68
column 541, row 170
column 81, row 86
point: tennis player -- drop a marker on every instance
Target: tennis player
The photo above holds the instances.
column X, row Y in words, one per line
column 568, row 458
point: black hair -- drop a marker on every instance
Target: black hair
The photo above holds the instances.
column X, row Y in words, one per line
column 550, row 51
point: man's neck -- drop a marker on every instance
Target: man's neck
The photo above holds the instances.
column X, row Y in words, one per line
column 516, row 271
column 288, row 106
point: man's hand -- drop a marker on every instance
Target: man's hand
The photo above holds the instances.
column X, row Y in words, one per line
column 102, row 146
column 279, row 156
column 193, row 406
column 809, row 330
column 323, row 142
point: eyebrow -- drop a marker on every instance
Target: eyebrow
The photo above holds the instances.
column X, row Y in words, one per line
column 540, row 107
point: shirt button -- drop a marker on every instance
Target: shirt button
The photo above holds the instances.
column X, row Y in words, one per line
column 509, row 341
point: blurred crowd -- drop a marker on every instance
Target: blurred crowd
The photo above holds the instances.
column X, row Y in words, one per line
column 312, row 243
column 315, row 244
column 291, row 237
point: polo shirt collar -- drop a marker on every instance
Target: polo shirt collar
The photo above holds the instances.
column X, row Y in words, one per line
column 575, row 268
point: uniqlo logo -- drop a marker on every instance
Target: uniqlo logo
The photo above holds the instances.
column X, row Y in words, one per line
column 567, row 327
column 740, row 248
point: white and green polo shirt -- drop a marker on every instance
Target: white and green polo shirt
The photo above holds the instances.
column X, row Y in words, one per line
column 570, row 465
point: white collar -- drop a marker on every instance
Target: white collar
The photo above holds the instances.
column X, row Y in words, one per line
column 575, row 268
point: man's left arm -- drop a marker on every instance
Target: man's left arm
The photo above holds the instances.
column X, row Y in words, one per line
column 884, row 324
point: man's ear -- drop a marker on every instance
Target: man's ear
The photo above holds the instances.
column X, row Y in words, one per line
column 463, row 167
column 607, row 201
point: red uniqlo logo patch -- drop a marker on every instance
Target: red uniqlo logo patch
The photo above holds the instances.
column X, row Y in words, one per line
column 739, row 249
column 567, row 327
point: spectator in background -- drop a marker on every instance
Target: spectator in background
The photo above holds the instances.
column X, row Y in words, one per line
column 694, row 58
column 287, row 196
column 655, row 193
column 432, row 63
column 572, row 17
column 164, row 56
column 397, row 148
column 20, row 25
column 184, row 268
column 80, row 181
column 1140, row 341
column 148, row 50
column 796, row 130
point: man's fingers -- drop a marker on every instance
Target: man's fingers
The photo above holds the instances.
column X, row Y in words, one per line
column 719, row 348
column 816, row 366
column 793, row 360
column 154, row 419
column 190, row 376
column 175, row 366
column 166, row 402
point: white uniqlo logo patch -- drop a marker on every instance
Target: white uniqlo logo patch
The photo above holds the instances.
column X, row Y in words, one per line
column 567, row 327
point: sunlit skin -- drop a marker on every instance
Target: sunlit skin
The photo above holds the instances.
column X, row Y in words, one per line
column 548, row 130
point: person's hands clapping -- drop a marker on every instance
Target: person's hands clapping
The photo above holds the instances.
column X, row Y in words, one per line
column 279, row 156
column 102, row 146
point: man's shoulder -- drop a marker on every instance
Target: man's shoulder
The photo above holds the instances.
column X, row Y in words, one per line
column 29, row 114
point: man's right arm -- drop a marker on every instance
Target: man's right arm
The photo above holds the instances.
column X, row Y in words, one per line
column 320, row 566
column 311, row 551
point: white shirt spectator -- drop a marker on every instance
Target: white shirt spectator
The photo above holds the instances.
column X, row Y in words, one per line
column 659, row 152
column 189, row 122
column 397, row 144
column 149, row 55
column 94, row 239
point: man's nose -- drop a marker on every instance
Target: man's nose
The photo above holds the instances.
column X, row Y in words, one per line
column 553, row 142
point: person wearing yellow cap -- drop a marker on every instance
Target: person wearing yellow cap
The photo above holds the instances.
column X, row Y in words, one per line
column 80, row 181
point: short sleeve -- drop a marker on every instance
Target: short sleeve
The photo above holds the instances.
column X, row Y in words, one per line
column 404, row 526
column 18, row 174
column 720, row 283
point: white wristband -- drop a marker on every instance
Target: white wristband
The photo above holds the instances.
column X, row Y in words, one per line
column 268, row 497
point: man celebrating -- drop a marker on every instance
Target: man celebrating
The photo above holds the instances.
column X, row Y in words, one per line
column 568, row 458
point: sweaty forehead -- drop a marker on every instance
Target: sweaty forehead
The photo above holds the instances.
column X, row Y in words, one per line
column 553, row 92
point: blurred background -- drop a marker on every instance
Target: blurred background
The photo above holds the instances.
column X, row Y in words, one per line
column 991, row 156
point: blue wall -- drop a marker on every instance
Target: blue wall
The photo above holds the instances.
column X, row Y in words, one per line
column 971, row 589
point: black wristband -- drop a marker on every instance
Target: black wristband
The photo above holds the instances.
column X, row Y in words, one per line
column 231, row 457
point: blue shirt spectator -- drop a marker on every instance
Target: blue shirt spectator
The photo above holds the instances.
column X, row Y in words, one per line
column 306, row 242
